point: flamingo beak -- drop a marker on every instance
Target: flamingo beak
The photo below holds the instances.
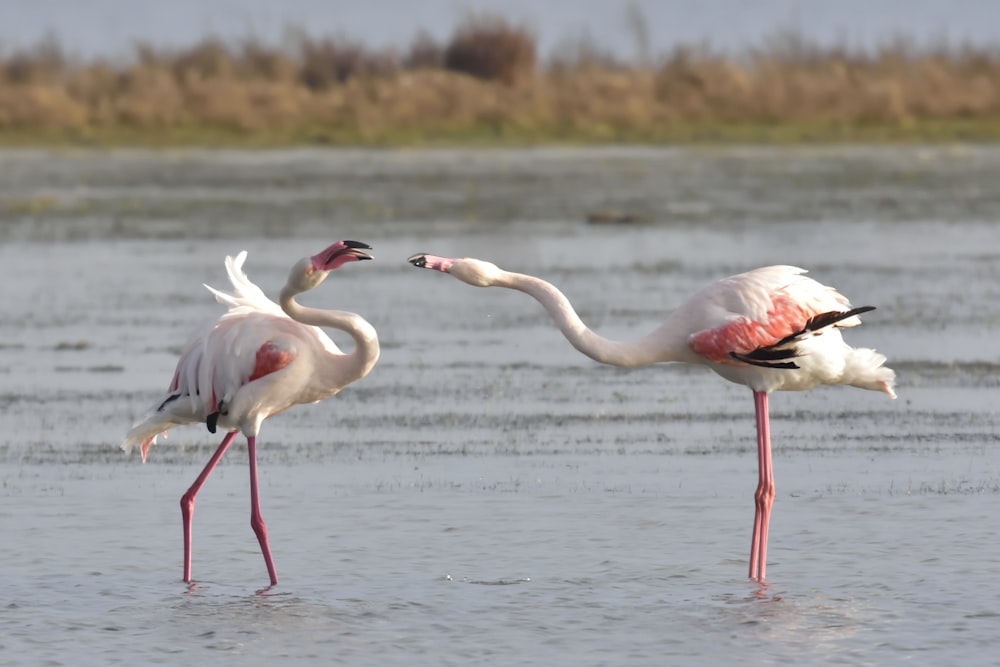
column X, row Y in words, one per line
column 340, row 253
column 424, row 261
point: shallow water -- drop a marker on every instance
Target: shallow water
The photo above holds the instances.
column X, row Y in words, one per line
column 487, row 495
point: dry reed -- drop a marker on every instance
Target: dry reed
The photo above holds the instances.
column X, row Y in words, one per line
column 486, row 83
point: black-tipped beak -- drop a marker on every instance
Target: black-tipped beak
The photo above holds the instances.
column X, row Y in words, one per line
column 357, row 248
column 419, row 260
column 354, row 248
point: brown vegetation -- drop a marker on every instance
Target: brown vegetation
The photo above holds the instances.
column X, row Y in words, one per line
column 487, row 83
column 492, row 50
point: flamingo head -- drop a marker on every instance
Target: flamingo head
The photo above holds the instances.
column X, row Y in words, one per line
column 475, row 272
column 311, row 271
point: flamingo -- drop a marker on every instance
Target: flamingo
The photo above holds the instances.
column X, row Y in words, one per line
column 770, row 329
column 258, row 359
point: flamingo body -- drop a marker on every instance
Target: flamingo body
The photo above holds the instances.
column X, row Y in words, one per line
column 257, row 360
column 780, row 309
column 771, row 329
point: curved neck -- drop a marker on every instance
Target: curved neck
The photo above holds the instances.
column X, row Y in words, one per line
column 366, row 347
column 650, row 349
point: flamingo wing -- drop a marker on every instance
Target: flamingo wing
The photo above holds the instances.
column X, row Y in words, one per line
column 246, row 297
column 757, row 317
column 231, row 354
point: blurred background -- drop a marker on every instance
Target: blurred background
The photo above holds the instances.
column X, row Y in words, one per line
column 113, row 72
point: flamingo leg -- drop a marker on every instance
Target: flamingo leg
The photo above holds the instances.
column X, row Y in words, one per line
column 256, row 521
column 764, row 496
column 187, row 500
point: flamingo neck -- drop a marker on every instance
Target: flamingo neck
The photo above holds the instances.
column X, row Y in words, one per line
column 366, row 347
column 660, row 345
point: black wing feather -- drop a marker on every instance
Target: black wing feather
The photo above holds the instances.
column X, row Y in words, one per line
column 759, row 358
column 771, row 356
column 822, row 321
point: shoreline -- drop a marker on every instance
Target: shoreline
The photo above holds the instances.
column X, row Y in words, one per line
column 986, row 131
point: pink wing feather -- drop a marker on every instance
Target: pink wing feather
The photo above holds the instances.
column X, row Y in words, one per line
column 761, row 307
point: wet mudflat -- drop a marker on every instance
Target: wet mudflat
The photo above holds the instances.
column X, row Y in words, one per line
column 487, row 495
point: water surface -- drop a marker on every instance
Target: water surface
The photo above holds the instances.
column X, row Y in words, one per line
column 487, row 495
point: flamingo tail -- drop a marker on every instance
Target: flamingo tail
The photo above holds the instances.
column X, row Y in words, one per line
column 144, row 434
column 865, row 369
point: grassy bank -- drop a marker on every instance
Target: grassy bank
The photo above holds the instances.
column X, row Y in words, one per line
column 487, row 86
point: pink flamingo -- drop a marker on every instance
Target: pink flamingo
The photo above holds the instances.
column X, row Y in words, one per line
column 257, row 360
column 769, row 329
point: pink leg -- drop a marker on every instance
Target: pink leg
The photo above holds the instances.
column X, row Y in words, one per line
column 256, row 521
column 764, row 497
column 187, row 500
